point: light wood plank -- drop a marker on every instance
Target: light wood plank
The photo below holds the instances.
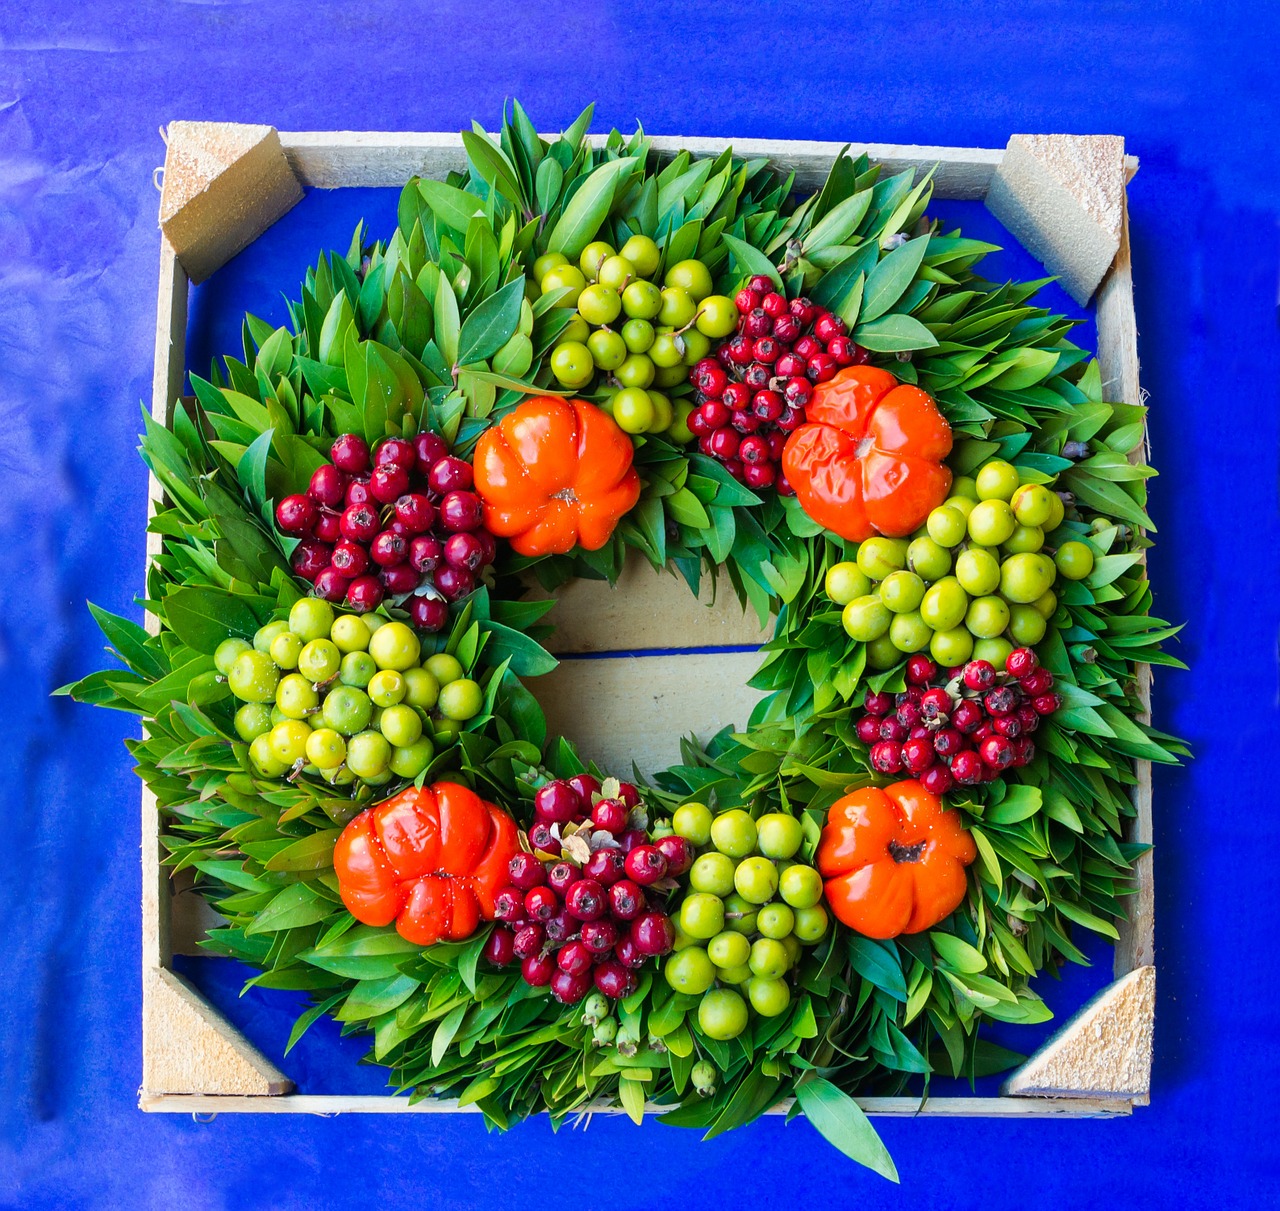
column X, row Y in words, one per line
column 876, row 1107
column 335, row 159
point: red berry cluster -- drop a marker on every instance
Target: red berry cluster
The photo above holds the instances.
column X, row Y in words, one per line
column 577, row 923
column 389, row 524
column 964, row 726
column 753, row 393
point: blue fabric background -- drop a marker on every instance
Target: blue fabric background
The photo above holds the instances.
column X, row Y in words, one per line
column 1194, row 90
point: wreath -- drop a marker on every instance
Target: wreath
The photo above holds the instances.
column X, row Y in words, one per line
column 572, row 353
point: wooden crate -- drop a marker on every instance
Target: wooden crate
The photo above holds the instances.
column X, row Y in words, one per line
column 1063, row 196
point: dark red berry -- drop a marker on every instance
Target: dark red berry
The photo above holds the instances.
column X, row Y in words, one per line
column 297, row 514
column 797, row 392
column 908, row 714
column 1046, row 704
column 538, row 969
column 310, row 558
column 1028, row 718
column 1037, row 682
column 605, row 866
column 756, row 324
column 1000, row 701
column 428, row 449
column 996, row 752
column 415, row 512
column 573, row 957
column 765, row 350
column 541, row 903
column 331, row 584
column 450, row 474
column 803, row 309
column 653, row 933
column 821, row 368
column 388, row 549
column 569, row 988
column 740, row 350
column 843, row 350
column 400, row 579
column 893, row 729
column 453, row 583
column 791, row 419
column 395, row 450
column 358, row 492
column 626, row 900
column 807, row 347
column 715, row 413
column 678, row 853
column 328, row 527
column 869, row 729
column 500, row 948
column 629, row 795
column 724, row 444
column 645, row 865
column 967, row 717
column 918, row 755
column 350, row 453
column 560, row 927
column 613, row 979
column 610, row 815
column 428, row 613
column 464, row 551
column 508, row 904
column 789, row 365
column 1020, row 662
column 585, row 786
column 744, row 422
column 877, row 704
column 558, row 802
column 758, row 475
column 937, row 779
column 327, row 486
column 388, row 482
column 920, row 670
column 461, row 511
column 753, row 449
column 425, row 552
column 1009, row 726
column 773, row 305
column 767, row 405
column 526, row 872
column 1023, row 750
column 541, row 837
column 529, row 940
column 736, row 396
column 936, row 703
column 599, row 937
column 827, row 327
column 886, row 757
column 350, row 559
column 979, row 675
column 786, row 329
column 562, row 876
column 360, row 523
column 365, row 593
column 761, row 283
column 966, row 768
column 629, row 954
column 586, row 900
column 948, row 742
column 709, row 377
column 632, row 838
column 747, row 300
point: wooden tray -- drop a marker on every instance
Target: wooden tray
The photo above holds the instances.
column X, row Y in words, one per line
column 1063, row 196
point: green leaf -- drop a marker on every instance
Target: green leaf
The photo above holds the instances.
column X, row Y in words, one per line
column 528, row 657
column 447, row 325
column 957, row 953
column 843, row 1124
column 491, row 324
column 452, row 206
column 750, row 260
column 296, row 905
column 251, row 470
column 587, row 209
column 493, row 167
column 889, row 280
column 203, row 618
column 130, row 643
column 308, row 853
column 876, row 963
column 893, row 333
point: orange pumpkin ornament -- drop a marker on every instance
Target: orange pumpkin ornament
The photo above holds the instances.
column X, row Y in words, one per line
column 431, row 860
column 869, row 458
column 555, row 474
column 894, row 859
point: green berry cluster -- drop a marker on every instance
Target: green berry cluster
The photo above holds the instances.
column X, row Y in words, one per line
column 749, row 911
column 344, row 696
column 974, row 583
column 638, row 337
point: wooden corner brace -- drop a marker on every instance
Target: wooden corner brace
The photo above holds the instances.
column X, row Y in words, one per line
column 1062, row 196
column 224, row 185
column 1103, row 1051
